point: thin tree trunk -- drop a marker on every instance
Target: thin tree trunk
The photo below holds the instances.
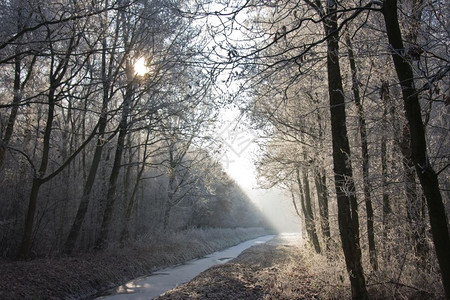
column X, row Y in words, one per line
column 307, row 209
column 386, row 203
column 112, row 185
column 310, row 211
column 427, row 176
column 18, row 87
column 171, row 184
column 25, row 246
column 166, row 217
column 131, row 203
column 364, row 155
column 14, row 109
column 322, row 195
column 66, row 178
column 297, row 211
column 75, row 229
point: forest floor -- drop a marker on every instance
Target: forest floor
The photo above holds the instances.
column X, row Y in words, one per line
column 274, row 270
column 85, row 275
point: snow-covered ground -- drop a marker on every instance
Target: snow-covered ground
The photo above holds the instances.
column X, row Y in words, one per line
column 159, row 282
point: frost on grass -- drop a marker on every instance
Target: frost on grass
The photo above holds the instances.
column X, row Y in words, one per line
column 402, row 277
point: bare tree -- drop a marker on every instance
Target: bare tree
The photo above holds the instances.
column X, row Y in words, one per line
column 427, row 176
column 364, row 153
column 59, row 66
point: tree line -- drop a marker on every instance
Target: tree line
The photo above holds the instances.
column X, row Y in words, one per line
column 94, row 152
column 352, row 99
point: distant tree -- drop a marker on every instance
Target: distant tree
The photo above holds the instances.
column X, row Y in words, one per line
column 182, row 133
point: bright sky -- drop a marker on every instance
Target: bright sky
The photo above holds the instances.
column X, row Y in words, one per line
column 240, row 150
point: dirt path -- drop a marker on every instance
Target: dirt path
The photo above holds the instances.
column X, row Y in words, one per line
column 268, row 271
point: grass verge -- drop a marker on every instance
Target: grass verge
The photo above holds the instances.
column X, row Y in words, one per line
column 82, row 276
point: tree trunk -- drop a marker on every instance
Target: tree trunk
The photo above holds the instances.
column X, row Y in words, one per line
column 343, row 174
column 25, row 246
column 385, row 97
column 166, row 217
column 310, row 211
column 110, row 196
column 17, row 89
column 75, row 229
column 69, row 245
column 427, row 176
column 131, row 202
column 14, row 109
column 364, row 155
column 307, row 209
column 297, row 211
column 322, row 195
column 170, row 189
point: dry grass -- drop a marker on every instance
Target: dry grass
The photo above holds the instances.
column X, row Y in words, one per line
column 85, row 275
column 329, row 273
column 401, row 276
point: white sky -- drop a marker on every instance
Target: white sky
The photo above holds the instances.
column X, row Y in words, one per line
column 240, row 151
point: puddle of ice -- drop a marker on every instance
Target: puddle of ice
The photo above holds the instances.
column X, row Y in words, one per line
column 149, row 287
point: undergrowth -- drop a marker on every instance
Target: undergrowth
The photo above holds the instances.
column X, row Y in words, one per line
column 401, row 275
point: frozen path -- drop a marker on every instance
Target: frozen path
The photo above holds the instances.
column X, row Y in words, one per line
column 163, row 280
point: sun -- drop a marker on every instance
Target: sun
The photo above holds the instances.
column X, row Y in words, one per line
column 140, row 67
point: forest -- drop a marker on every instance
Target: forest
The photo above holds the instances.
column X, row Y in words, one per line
column 110, row 111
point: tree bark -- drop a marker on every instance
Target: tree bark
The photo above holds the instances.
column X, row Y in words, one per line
column 343, row 175
column 427, row 176
column 385, row 97
column 364, row 155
